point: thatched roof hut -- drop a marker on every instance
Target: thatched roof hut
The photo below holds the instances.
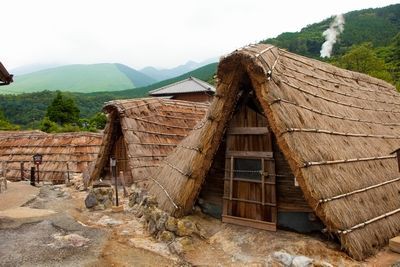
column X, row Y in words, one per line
column 140, row 133
column 62, row 153
column 335, row 129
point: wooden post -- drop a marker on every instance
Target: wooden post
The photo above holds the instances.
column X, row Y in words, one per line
column 68, row 173
column 3, row 178
column 113, row 165
column 33, row 176
column 3, row 169
column 38, row 178
column 122, row 179
column 22, row 171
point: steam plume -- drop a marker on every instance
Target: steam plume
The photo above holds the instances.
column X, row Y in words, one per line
column 331, row 34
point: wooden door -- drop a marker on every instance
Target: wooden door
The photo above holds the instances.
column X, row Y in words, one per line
column 249, row 183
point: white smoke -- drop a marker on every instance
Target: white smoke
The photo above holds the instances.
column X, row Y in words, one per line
column 331, row 34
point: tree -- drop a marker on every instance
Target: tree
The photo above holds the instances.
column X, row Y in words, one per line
column 98, row 121
column 362, row 58
column 5, row 124
column 63, row 110
column 48, row 126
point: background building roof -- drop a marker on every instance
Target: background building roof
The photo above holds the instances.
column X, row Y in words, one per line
column 189, row 85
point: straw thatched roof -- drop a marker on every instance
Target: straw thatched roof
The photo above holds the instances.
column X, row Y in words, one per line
column 151, row 128
column 336, row 128
column 76, row 149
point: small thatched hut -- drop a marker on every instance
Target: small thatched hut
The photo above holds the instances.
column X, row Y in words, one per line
column 289, row 135
column 140, row 133
column 62, row 153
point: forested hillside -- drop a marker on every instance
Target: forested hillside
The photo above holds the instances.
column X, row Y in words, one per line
column 369, row 42
column 377, row 26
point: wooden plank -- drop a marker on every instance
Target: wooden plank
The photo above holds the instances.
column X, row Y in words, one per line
column 251, row 201
column 245, row 180
column 247, row 130
column 249, row 223
column 394, row 244
column 231, row 180
column 293, row 207
column 262, row 183
column 254, row 154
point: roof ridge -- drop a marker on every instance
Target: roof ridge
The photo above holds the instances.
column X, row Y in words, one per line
column 169, row 85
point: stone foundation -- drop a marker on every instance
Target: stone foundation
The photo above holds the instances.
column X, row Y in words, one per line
column 177, row 233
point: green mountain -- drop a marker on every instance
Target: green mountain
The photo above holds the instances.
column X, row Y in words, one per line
column 164, row 74
column 80, row 78
column 377, row 26
column 28, row 109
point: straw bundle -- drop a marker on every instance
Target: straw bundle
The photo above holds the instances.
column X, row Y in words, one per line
column 319, row 114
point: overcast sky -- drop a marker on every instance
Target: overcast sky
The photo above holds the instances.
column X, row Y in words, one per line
column 162, row 33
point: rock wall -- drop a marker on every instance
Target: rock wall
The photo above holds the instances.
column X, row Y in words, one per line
column 177, row 232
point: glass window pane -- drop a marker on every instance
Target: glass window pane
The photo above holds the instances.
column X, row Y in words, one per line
column 247, row 168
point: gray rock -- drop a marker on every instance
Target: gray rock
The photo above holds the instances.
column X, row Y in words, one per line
column 302, row 261
column 90, row 200
column 283, row 257
column 139, row 211
column 151, row 227
column 107, row 203
column 166, row 236
column 161, row 222
column 171, row 224
column 147, row 212
column 156, row 214
column 107, row 221
column 324, row 264
column 185, row 227
column 181, row 245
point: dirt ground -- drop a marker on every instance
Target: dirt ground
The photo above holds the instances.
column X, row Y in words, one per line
column 59, row 231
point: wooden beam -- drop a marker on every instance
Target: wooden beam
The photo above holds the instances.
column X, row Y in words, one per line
column 269, row 226
column 248, row 130
column 250, row 201
column 254, row 154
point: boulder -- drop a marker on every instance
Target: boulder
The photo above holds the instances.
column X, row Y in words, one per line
column 185, row 227
column 107, row 221
column 171, row 224
column 148, row 201
column 100, row 198
column 160, row 224
column 283, row 257
column 73, row 240
column 302, row 261
column 151, row 227
column 181, row 245
column 166, row 236
column 90, row 200
column 135, row 196
column 155, row 214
